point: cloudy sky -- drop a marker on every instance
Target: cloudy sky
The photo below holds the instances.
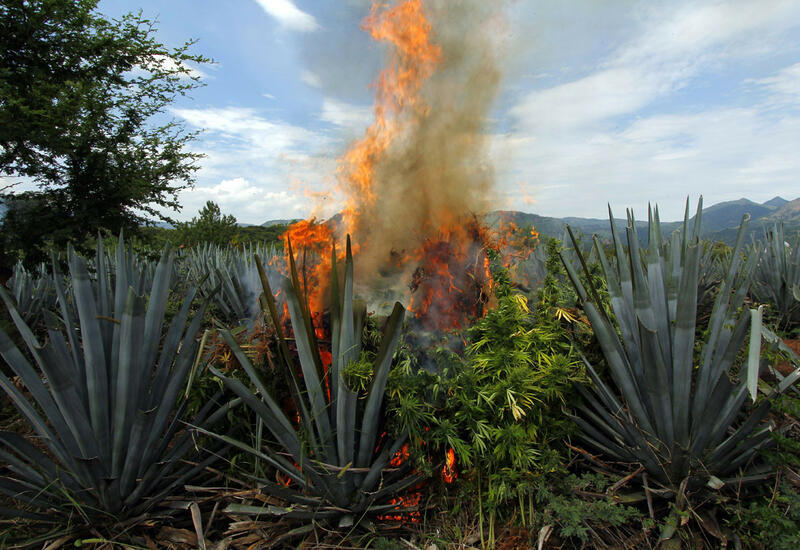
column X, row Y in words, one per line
column 602, row 101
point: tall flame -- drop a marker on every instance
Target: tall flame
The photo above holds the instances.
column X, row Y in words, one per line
column 414, row 184
column 413, row 61
column 312, row 240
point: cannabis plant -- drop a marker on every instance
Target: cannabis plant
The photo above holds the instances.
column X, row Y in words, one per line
column 337, row 459
column 101, row 395
column 777, row 278
column 673, row 410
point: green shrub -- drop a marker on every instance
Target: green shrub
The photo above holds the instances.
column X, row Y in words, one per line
column 577, row 517
column 771, row 517
column 498, row 405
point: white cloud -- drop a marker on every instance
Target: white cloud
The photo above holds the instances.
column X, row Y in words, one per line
column 724, row 153
column 622, row 133
column 672, row 47
column 785, row 83
column 594, row 98
column 289, row 15
column 347, row 115
column 243, row 199
column 730, row 27
column 260, row 167
column 245, row 125
column 311, row 79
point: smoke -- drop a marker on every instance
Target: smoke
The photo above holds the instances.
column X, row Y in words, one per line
column 434, row 175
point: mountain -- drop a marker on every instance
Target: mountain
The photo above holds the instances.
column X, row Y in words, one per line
column 720, row 221
column 727, row 215
column 775, row 203
column 270, row 223
column 788, row 213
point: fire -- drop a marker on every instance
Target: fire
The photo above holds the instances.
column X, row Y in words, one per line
column 308, row 234
column 415, row 57
column 407, row 504
column 400, row 457
column 450, row 284
column 311, row 242
column 442, row 256
column 415, row 183
column 515, row 243
column 449, row 474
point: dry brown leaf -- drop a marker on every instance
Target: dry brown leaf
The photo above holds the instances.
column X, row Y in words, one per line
column 174, row 535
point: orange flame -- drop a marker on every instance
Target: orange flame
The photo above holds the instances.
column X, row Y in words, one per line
column 446, row 252
column 414, row 59
column 449, row 474
column 450, row 283
column 408, row 503
column 447, row 284
column 311, row 242
column 400, row 457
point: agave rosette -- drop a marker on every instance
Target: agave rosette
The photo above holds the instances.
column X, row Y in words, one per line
column 102, row 395
column 676, row 415
column 336, row 460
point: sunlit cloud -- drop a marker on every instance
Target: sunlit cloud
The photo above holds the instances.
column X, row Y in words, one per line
column 289, row 15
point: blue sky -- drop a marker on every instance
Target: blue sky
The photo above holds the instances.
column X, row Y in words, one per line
column 614, row 101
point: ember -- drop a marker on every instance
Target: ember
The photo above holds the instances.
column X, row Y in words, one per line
column 449, row 474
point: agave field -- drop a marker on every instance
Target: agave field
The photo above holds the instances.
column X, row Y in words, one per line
column 591, row 394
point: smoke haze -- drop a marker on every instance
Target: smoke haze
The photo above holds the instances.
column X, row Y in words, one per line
column 435, row 173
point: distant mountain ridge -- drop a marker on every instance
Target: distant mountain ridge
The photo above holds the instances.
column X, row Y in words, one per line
column 270, row 223
column 720, row 221
column 775, row 202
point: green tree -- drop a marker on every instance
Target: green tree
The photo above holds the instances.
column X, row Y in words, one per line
column 210, row 226
column 82, row 101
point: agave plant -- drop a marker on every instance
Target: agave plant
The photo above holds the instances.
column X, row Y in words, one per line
column 103, row 396
column 676, row 416
column 231, row 277
column 713, row 266
column 337, row 458
column 33, row 292
column 777, row 278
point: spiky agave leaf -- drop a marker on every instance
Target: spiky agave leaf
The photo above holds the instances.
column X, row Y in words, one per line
column 33, row 291
column 777, row 276
column 230, row 275
column 339, row 461
column 104, row 389
column 676, row 417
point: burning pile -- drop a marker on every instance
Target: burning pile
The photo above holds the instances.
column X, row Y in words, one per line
column 416, row 180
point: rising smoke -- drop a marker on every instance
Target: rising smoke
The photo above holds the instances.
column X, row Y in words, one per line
column 430, row 172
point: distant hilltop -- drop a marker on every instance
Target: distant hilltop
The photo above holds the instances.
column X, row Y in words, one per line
column 270, row 223
column 720, row 221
